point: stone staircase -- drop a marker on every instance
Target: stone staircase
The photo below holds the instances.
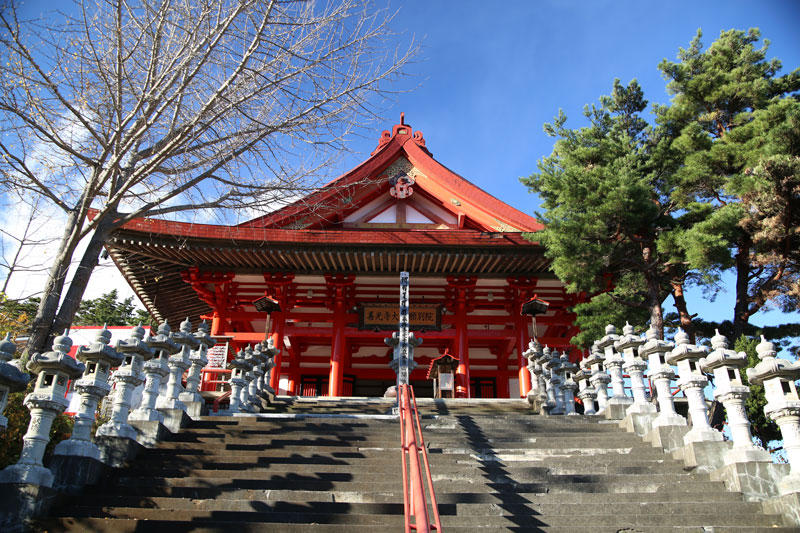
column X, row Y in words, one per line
column 334, row 465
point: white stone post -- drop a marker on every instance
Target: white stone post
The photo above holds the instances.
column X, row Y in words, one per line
column 99, row 358
column 238, row 368
column 692, row 381
column 783, row 406
column 198, row 361
column 549, row 387
column 726, row 365
column 613, row 362
column 54, row 369
column 12, row 379
column 599, row 378
column 568, row 387
column 640, row 414
column 127, row 377
column 586, row 392
column 155, row 370
column 178, row 363
column 661, row 374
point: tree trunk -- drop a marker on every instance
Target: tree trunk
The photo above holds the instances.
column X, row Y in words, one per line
column 41, row 326
column 80, row 279
column 741, row 310
column 683, row 313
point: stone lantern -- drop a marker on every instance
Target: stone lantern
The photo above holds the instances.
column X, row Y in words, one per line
column 48, row 399
column 99, row 358
column 178, row 364
column 599, row 379
column 539, row 357
column 585, row 391
column 12, row 379
column 127, row 377
column 783, row 405
column 255, row 392
column 549, row 364
column 613, row 362
column 198, row 361
column 155, row 370
column 238, row 368
column 246, row 402
column 640, row 414
column 668, row 427
column 270, row 351
column 728, row 388
column 692, row 381
column 568, row 387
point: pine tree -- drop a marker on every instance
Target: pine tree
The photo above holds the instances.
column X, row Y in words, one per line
column 610, row 225
column 724, row 98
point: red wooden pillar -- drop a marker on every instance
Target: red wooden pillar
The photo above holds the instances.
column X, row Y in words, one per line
column 281, row 288
column 294, row 370
column 461, row 291
column 522, row 339
column 340, row 292
column 521, row 290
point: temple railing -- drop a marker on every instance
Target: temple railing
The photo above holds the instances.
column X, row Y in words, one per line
column 416, row 471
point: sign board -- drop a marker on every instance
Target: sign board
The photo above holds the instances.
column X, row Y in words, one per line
column 445, row 381
column 218, row 355
column 386, row 316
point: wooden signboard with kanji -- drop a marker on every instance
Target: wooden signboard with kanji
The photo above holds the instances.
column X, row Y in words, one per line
column 385, row 316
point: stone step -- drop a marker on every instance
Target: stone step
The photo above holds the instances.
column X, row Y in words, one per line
column 112, row 525
column 192, row 487
column 592, row 465
column 106, row 499
column 307, row 514
column 516, row 506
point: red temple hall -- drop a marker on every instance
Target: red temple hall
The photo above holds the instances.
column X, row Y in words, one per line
column 329, row 266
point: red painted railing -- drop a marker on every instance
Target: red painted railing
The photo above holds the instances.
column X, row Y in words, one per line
column 414, row 487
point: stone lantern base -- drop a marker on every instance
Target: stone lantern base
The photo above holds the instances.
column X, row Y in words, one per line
column 668, row 438
column 616, row 406
column 705, row 456
column 27, row 474
column 639, row 418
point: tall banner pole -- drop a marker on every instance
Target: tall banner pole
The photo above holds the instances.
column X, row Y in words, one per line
column 402, row 332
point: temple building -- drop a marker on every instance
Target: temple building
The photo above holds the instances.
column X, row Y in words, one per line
column 332, row 261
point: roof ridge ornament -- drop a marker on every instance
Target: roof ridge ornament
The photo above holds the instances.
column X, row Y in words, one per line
column 400, row 130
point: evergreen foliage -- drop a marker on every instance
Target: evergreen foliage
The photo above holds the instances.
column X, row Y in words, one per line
column 608, row 214
column 734, row 123
column 762, row 427
column 109, row 310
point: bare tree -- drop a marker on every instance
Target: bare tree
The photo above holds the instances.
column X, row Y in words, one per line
column 155, row 107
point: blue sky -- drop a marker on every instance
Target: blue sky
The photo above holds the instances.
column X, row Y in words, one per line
column 489, row 75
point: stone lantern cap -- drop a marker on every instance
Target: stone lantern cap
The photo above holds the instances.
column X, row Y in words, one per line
column 135, row 345
column 566, row 364
column 239, row 362
column 202, row 335
column 100, row 350
column 610, row 337
column 248, row 356
column 770, row 366
column 533, row 352
column 720, row 356
column 163, row 340
column 268, row 348
column 57, row 359
column 683, row 350
column 580, row 375
column 654, row 344
column 628, row 339
column 543, row 356
column 10, row 375
column 184, row 335
column 595, row 356
column 554, row 361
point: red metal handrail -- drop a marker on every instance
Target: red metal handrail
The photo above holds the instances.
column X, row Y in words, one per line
column 412, row 443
